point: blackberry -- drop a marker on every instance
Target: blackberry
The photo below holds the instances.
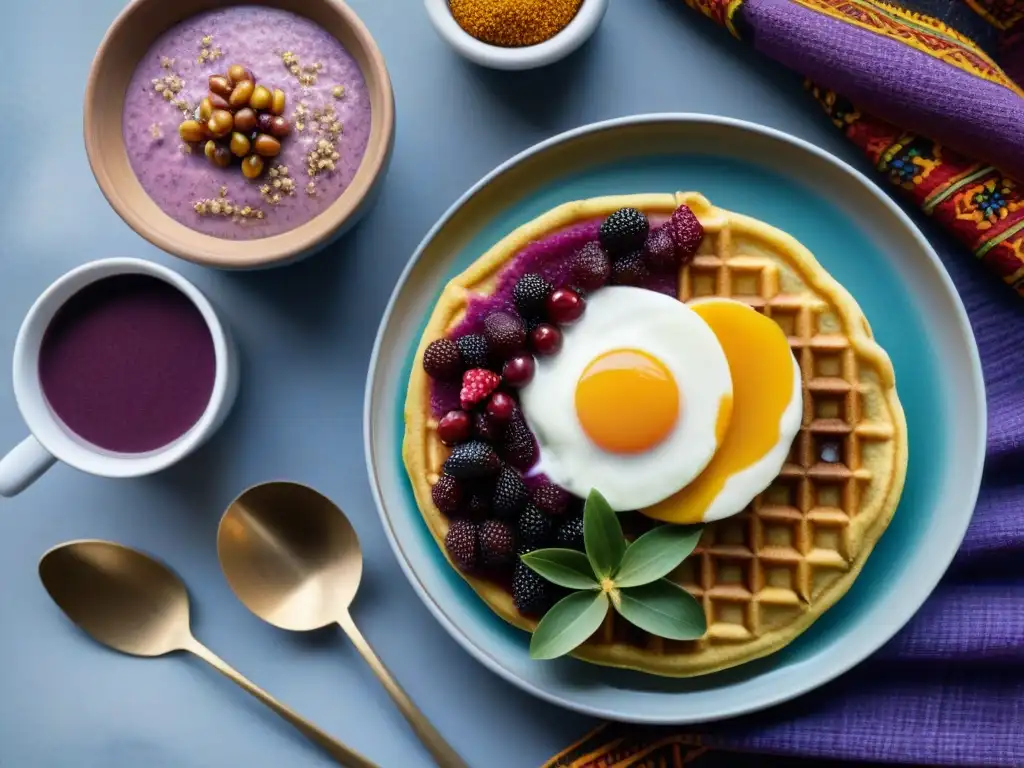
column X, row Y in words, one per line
column 497, row 543
column 472, row 460
column 446, row 494
column 533, row 529
column 486, row 428
column 660, row 251
column 630, row 270
column 570, row 534
column 530, row 593
column 590, row 267
column 506, row 334
column 530, row 293
column 509, row 492
column 474, row 350
column 463, row 544
column 518, row 447
column 624, row 232
column 550, row 499
column 441, row 360
column 479, row 504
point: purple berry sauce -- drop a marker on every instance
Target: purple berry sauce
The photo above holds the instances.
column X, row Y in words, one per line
column 128, row 364
column 550, row 257
column 177, row 175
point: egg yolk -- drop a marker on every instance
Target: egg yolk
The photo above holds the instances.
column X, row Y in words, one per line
column 762, row 371
column 627, row 401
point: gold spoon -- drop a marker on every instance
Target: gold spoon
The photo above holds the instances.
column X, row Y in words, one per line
column 293, row 558
column 136, row 605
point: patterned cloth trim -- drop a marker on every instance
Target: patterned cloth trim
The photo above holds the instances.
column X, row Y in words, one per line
column 982, row 207
column 721, row 12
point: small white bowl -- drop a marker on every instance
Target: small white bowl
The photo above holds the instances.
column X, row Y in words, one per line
column 575, row 33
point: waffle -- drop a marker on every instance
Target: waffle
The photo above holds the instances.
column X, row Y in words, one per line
column 765, row 575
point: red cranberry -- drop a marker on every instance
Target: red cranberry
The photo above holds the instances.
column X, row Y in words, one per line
column 518, row 371
column 454, row 427
column 546, row 339
column 501, row 407
column 565, row 306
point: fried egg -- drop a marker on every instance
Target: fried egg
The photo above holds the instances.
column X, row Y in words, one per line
column 636, row 402
column 766, row 415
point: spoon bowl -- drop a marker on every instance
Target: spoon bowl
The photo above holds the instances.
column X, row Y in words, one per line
column 292, row 557
column 144, row 606
column 135, row 604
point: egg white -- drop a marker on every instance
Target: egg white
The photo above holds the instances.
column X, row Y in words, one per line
column 621, row 317
column 741, row 487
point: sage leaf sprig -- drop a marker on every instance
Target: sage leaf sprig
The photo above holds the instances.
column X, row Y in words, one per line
column 629, row 577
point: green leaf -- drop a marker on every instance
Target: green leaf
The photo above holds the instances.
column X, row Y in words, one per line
column 656, row 554
column 602, row 536
column 564, row 567
column 569, row 622
column 663, row 609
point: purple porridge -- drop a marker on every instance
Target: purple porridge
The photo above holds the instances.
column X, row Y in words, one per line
column 128, row 363
column 326, row 109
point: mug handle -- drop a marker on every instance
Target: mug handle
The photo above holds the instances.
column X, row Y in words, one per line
column 22, row 466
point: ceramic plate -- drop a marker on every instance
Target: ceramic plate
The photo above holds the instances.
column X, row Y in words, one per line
column 857, row 234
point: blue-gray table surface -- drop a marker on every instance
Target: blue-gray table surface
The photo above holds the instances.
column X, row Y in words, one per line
column 305, row 334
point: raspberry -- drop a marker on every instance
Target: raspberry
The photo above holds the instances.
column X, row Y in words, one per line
column 686, row 231
column 477, row 385
column 472, row 460
column 533, row 528
column 590, row 267
column 497, row 543
column 474, row 350
column 454, row 427
column 660, row 251
column 463, row 544
column 624, row 232
column 629, row 270
column 441, row 360
column 505, row 333
column 530, row 293
column 570, row 534
column 550, row 499
column 518, row 448
column 530, row 593
column 509, row 492
column 447, row 494
column 486, row 428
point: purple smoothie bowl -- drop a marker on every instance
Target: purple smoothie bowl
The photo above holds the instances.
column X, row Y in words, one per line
column 316, row 51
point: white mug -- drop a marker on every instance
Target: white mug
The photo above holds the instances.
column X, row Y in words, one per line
column 50, row 441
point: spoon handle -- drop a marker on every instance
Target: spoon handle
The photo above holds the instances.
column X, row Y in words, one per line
column 441, row 750
column 341, row 754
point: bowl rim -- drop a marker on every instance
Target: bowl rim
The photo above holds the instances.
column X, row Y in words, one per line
column 902, row 613
column 561, row 44
column 259, row 252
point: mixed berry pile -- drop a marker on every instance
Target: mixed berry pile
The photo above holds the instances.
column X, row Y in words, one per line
column 495, row 514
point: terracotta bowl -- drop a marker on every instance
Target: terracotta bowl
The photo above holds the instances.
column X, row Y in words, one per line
column 127, row 41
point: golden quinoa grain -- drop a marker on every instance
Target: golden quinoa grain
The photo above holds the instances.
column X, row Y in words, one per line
column 514, row 23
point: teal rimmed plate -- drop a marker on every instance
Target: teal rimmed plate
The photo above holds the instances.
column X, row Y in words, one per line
column 863, row 240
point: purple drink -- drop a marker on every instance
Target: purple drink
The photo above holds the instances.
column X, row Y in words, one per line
column 128, row 364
